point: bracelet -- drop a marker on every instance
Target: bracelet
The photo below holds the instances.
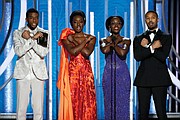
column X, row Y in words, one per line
column 124, row 46
column 147, row 46
column 31, row 34
column 103, row 44
column 120, row 45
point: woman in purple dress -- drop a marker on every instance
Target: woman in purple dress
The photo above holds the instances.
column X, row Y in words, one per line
column 116, row 77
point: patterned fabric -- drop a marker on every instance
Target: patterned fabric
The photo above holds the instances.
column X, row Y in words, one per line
column 116, row 88
column 82, row 88
column 78, row 83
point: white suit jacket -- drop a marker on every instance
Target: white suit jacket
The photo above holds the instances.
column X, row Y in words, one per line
column 30, row 55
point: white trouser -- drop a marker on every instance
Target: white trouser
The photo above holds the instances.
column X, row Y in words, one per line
column 24, row 87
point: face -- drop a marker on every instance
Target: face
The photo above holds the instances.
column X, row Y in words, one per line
column 33, row 19
column 77, row 23
column 151, row 20
column 115, row 25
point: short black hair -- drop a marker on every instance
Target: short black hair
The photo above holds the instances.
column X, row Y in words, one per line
column 151, row 11
column 78, row 12
column 31, row 10
column 108, row 21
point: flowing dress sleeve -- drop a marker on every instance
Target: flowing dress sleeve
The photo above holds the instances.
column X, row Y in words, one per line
column 65, row 106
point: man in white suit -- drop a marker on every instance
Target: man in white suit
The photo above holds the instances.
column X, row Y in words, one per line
column 30, row 70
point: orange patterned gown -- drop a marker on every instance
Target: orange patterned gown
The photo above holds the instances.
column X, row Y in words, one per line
column 82, row 88
column 78, row 98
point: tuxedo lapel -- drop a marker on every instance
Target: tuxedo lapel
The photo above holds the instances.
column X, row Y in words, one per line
column 157, row 36
column 146, row 35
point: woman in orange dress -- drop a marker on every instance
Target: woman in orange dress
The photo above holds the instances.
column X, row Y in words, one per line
column 76, row 80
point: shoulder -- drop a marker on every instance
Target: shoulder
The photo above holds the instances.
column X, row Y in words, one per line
column 92, row 37
column 42, row 30
column 164, row 35
column 89, row 35
column 126, row 38
column 160, row 32
column 139, row 36
column 16, row 31
column 19, row 31
column 70, row 37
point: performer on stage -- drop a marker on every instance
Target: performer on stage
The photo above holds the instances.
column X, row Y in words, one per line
column 152, row 48
column 30, row 70
column 116, row 77
column 76, row 79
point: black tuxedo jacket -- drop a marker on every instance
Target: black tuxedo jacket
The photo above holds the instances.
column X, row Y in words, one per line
column 153, row 70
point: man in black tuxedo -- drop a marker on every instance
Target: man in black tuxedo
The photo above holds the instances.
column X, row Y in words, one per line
column 152, row 48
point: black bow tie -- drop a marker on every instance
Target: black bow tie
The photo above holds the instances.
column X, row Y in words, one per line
column 149, row 32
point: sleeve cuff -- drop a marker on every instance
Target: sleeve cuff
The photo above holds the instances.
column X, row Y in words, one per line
column 147, row 46
column 152, row 50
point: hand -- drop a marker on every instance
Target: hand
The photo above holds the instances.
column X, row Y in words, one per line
column 156, row 44
column 71, row 39
column 144, row 42
column 88, row 38
column 26, row 34
column 109, row 39
column 119, row 40
column 37, row 35
column 110, row 42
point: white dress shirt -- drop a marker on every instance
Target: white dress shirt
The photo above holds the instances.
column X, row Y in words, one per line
column 152, row 37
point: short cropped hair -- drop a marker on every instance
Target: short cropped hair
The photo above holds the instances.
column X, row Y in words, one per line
column 152, row 11
column 108, row 21
column 78, row 12
column 31, row 10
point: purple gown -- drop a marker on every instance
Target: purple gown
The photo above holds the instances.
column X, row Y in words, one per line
column 116, row 88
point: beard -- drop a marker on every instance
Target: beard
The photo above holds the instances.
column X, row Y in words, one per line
column 152, row 26
column 32, row 28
